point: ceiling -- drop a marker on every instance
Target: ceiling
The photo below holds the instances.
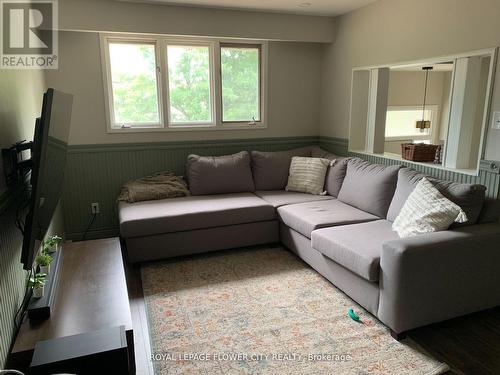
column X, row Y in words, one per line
column 306, row 7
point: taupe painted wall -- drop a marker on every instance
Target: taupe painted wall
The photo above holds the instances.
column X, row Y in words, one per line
column 20, row 103
column 390, row 31
column 122, row 16
column 294, row 89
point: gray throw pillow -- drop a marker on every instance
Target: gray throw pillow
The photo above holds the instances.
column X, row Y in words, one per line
column 270, row 169
column 219, row 174
column 335, row 176
column 369, row 187
column 469, row 197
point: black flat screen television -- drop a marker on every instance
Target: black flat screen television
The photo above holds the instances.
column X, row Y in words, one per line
column 50, row 143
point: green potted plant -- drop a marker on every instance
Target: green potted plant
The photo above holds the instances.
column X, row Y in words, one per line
column 51, row 244
column 44, row 260
column 37, row 283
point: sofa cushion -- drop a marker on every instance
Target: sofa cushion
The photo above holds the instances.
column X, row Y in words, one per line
column 306, row 217
column 369, row 187
column 357, row 247
column 188, row 213
column 280, row 198
column 219, row 174
column 318, row 152
column 335, row 176
column 490, row 212
column 307, row 175
column 468, row 196
column 270, row 169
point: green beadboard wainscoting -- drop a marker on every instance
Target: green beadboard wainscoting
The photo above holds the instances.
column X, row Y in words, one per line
column 95, row 173
column 487, row 176
column 12, row 275
column 336, row 145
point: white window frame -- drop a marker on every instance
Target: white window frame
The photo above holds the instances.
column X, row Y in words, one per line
column 434, row 110
column 165, row 125
column 242, row 45
column 108, row 84
column 190, row 43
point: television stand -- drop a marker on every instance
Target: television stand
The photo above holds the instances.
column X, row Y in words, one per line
column 92, row 295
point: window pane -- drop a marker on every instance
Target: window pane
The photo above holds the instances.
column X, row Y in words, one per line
column 240, row 83
column 133, row 75
column 402, row 123
column 189, row 84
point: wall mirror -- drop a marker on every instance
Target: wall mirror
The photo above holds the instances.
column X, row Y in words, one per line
column 433, row 111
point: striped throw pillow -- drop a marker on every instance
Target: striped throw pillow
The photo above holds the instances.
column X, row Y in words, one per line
column 426, row 210
column 307, row 175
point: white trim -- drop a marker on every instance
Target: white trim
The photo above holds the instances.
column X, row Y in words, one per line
column 391, row 156
column 211, row 74
column 487, row 108
column 262, row 100
column 189, row 128
column 430, row 60
column 108, row 86
column 161, row 44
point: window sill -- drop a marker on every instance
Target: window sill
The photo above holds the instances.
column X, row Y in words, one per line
column 409, row 137
column 388, row 155
column 187, row 128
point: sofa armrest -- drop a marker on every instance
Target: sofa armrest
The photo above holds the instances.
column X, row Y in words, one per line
column 438, row 276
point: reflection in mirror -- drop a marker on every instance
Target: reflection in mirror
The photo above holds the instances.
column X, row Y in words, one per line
column 417, row 95
column 433, row 111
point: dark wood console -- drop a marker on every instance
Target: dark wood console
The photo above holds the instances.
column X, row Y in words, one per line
column 92, row 295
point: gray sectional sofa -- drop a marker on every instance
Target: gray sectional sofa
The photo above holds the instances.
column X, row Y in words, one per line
column 345, row 235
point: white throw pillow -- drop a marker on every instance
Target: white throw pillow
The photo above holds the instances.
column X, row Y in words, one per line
column 426, row 210
column 307, row 175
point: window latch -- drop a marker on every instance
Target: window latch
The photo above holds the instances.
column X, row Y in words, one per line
column 253, row 122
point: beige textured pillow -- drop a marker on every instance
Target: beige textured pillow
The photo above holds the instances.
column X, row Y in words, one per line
column 426, row 210
column 307, row 175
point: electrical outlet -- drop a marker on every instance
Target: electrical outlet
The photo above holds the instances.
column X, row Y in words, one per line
column 94, row 207
column 496, row 121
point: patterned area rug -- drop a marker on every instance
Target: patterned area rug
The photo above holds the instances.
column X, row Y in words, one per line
column 264, row 311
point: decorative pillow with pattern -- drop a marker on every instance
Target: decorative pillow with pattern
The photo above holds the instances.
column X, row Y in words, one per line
column 307, row 175
column 427, row 210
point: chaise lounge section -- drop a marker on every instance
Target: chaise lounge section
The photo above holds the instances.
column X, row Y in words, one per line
column 188, row 225
column 346, row 234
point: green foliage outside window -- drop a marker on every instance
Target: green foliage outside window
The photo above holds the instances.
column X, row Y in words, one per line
column 189, row 84
column 134, row 89
column 240, row 84
column 134, row 82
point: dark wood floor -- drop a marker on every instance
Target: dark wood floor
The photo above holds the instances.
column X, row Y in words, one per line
column 142, row 344
column 469, row 345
